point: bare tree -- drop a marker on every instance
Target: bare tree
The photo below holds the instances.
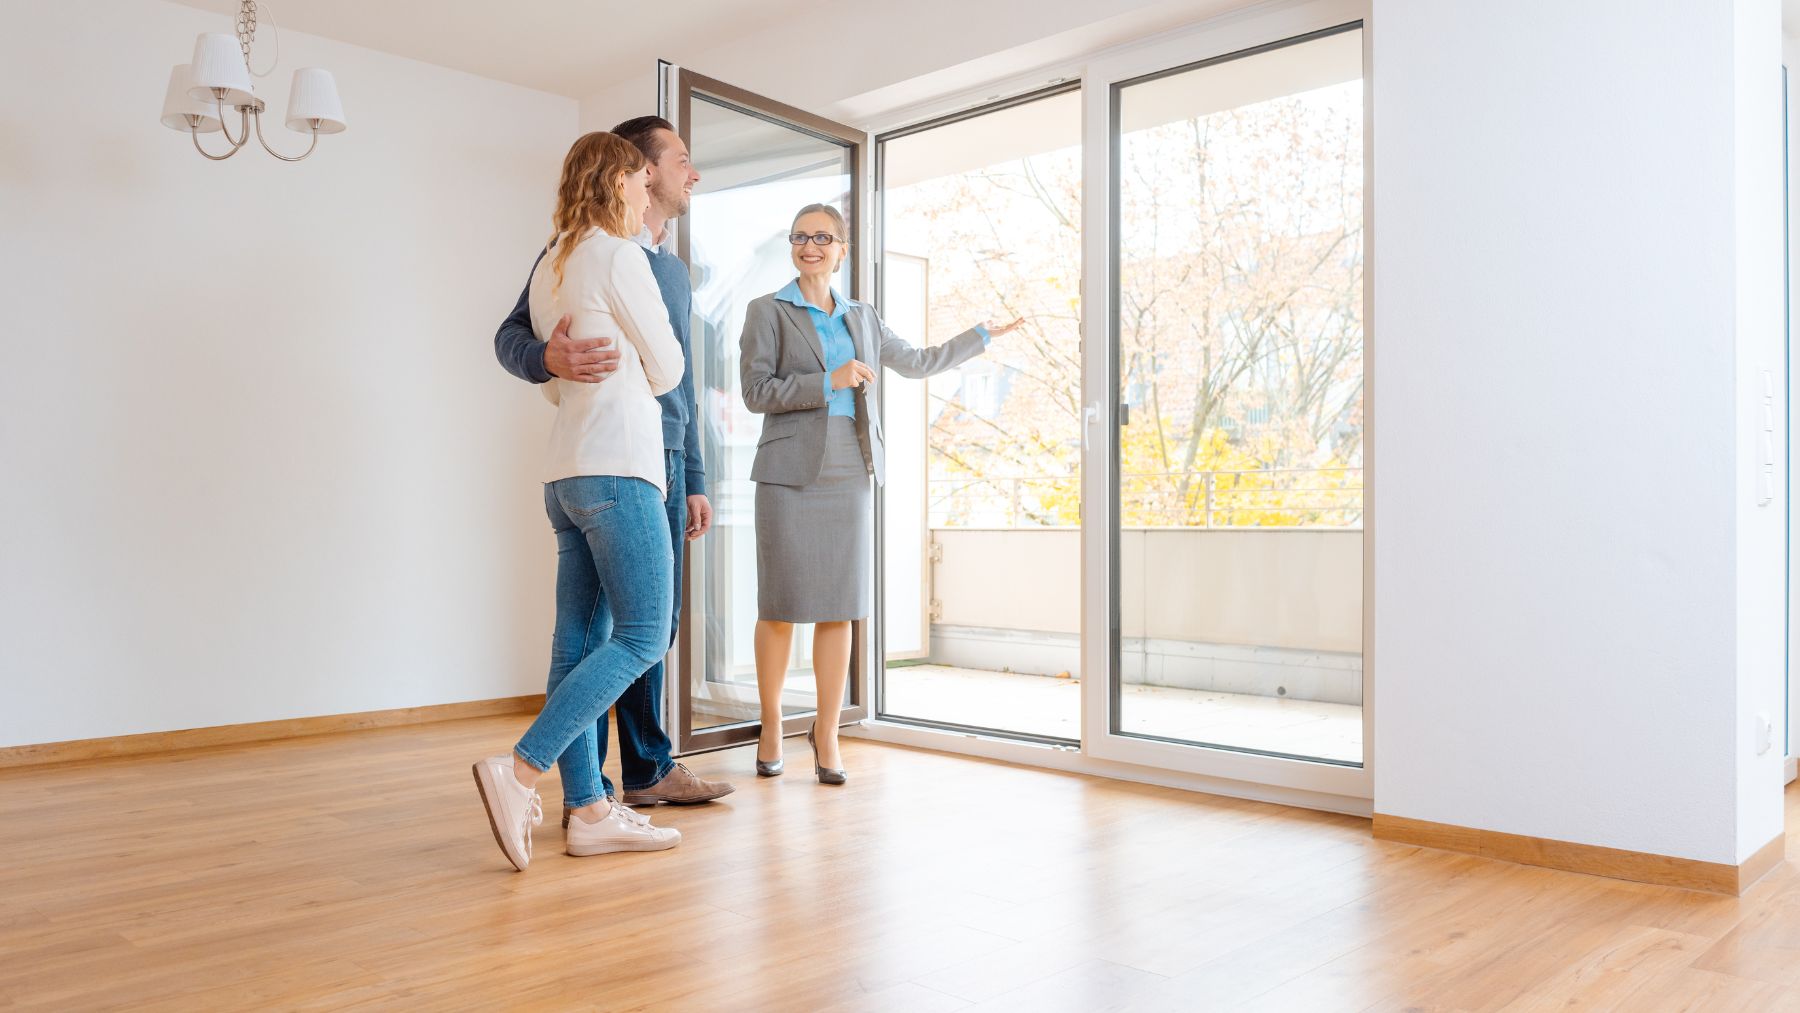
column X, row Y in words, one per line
column 1240, row 318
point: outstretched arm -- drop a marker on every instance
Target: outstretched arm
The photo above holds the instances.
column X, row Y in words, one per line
column 915, row 362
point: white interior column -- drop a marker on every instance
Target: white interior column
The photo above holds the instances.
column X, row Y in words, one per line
column 1577, row 595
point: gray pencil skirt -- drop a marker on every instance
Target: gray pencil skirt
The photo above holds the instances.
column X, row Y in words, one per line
column 815, row 544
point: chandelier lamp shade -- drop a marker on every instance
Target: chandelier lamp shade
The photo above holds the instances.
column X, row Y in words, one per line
column 220, row 70
column 202, row 93
column 313, row 102
column 182, row 111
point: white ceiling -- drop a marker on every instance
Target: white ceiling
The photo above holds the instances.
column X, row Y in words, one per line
column 575, row 48
column 568, row 47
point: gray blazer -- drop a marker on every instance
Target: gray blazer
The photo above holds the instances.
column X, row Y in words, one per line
column 782, row 367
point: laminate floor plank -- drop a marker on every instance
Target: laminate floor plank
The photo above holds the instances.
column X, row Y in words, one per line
column 355, row 870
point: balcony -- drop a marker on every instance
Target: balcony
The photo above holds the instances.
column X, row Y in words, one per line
column 1241, row 636
column 1233, row 634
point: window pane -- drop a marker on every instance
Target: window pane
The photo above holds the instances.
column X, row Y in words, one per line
column 982, row 518
column 754, row 175
column 1240, row 323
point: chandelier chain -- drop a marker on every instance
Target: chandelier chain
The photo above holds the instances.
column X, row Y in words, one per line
column 246, row 27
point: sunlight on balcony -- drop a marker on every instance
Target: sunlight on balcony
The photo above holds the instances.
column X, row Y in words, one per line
column 1048, row 706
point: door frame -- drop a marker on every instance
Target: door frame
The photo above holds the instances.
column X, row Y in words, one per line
column 1297, row 782
column 877, row 243
column 1312, row 784
column 1101, row 84
column 676, row 87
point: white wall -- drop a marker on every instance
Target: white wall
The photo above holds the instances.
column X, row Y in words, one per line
column 1569, row 641
column 1761, row 314
column 1791, row 57
column 259, row 460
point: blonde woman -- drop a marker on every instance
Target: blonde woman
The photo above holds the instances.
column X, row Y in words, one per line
column 809, row 355
column 604, row 488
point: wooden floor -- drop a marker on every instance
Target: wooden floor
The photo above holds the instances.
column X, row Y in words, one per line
column 358, row 869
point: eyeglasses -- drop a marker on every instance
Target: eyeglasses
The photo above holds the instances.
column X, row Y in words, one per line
column 821, row 238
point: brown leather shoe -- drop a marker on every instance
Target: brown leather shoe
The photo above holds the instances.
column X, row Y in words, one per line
column 680, row 786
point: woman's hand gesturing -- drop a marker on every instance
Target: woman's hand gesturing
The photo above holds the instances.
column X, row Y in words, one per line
column 851, row 374
column 995, row 331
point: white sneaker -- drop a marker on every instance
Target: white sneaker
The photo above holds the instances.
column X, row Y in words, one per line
column 622, row 829
column 512, row 808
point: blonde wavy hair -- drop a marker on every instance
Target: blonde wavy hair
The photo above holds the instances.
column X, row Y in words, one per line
column 592, row 194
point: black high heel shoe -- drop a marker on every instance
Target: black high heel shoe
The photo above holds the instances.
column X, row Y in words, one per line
column 770, row 768
column 826, row 775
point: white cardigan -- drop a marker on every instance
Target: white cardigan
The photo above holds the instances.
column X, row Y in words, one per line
column 613, row 427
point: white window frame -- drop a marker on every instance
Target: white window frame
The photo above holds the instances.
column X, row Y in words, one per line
column 1100, row 393
column 1219, row 771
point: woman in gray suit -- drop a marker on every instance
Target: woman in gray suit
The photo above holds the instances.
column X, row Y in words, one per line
column 806, row 355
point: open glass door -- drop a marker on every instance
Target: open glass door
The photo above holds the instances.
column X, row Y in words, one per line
column 760, row 161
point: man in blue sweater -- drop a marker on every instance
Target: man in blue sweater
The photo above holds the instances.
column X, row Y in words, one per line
column 650, row 773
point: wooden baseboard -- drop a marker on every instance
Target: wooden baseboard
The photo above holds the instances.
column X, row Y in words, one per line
column 259, row 731
column 1589, row 859
column 1766, row 859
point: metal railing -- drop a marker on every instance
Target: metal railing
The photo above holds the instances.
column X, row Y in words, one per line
column 1270, row 497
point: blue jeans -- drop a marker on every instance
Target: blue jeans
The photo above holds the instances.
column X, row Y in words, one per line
column 645, row 753
column 612, row 539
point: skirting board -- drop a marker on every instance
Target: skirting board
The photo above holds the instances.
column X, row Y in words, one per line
column 260, row 731
column 1589, row 859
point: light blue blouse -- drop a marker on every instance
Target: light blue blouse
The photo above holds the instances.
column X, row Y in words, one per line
column 834, row 338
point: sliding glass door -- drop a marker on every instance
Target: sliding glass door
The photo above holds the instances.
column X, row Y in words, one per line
column 760, row 161
column 1226, row 363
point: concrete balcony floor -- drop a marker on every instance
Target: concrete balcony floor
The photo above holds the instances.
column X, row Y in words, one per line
column 1041, row 705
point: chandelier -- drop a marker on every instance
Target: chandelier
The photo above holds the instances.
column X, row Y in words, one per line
column 219, row 78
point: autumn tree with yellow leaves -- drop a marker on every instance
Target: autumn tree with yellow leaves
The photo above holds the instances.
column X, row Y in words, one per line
column 1240, row 323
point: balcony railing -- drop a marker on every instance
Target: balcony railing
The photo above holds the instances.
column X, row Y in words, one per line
column 1266, row 498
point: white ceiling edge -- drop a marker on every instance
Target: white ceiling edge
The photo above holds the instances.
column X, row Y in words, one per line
column 1022, row 68
column 562, row 47
column 1003, row 54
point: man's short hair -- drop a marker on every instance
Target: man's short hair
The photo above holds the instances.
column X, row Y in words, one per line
column 642, row 131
